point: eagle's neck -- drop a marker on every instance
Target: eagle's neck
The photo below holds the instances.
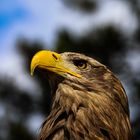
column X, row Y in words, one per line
column 79, row 114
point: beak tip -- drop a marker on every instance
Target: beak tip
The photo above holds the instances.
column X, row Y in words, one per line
column 32, row 70
column 31, row 74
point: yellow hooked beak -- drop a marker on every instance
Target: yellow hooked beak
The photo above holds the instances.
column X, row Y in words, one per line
column 51, row 61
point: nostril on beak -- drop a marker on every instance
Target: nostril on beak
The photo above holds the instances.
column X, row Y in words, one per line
column 54, row 56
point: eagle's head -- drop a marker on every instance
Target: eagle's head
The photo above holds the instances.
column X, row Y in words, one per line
column 89, row 102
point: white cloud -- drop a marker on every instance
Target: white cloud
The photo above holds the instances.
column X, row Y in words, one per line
column 110, row 12
column 52, row 15
column 11, row 66
column 133, row 59
column 34, row 123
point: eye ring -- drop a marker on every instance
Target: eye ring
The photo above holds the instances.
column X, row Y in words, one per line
column 82, row 64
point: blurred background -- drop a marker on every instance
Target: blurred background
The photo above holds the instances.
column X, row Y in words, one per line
column 108, row 30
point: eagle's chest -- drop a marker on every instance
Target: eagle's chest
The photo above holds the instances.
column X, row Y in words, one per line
column 80, row 115
column 79, row 126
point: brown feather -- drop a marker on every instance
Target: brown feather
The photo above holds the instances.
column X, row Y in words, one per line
column 92, row 108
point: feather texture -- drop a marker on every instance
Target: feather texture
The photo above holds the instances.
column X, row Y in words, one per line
column 94, row 107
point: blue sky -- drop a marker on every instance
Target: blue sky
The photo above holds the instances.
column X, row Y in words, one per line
column 7, row 18
column 11, row 12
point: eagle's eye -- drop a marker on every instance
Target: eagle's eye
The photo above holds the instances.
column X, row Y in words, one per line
column 82, row 64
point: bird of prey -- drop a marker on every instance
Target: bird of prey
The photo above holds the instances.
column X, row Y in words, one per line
column 89, row 102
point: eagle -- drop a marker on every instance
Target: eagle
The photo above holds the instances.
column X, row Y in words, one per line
column 88, row 100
